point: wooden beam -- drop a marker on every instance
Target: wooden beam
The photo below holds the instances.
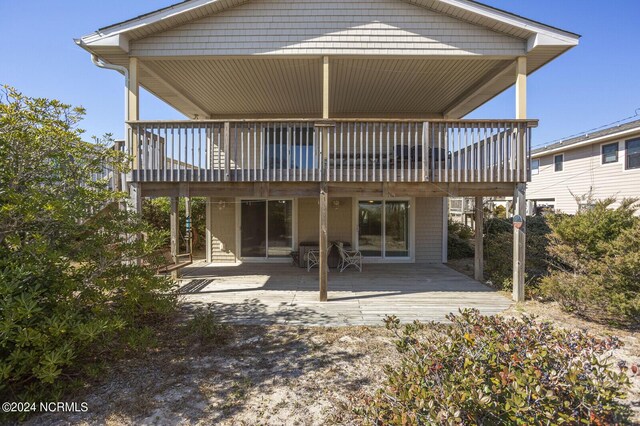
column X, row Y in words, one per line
column 174, row 224
column 227, row 151
column 208, row 233
column 324, row 240
column 479, row 249
column 519, row 243
column 521, row 87
column 187, row 214
column 337, row 189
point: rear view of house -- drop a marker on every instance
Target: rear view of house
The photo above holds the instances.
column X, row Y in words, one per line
column 568, row 175
column 318, row 121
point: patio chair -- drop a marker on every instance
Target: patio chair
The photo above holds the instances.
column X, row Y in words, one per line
column 313, row 257
column 349, row 258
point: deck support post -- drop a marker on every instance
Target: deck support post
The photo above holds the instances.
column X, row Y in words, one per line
column 519, row 195
column 324, row 241
column 479, row 249
column 187, row 216
column 519, row 242
column 208, row 234
column 174, row 224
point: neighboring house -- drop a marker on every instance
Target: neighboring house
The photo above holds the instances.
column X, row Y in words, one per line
column 602, row 164
column 328, row 120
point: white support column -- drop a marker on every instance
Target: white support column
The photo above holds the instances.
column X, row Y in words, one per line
column 208, row 234
column 479, row 249
column 325, row 87
column 521, row 87
column 132, row 100
column 519, row 196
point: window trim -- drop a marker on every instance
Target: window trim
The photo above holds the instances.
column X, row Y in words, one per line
column 555, row 165
column 602, row 162
column 536, row 170
column 626, row 154
column 355, row 232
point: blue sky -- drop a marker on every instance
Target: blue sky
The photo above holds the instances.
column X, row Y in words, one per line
column 594, row 84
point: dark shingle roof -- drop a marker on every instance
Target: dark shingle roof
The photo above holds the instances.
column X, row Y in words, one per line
column 587, row 136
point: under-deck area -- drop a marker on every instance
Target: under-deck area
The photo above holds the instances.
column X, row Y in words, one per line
column 259, row 293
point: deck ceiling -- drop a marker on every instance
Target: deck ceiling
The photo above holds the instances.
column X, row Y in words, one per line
column 292, row 87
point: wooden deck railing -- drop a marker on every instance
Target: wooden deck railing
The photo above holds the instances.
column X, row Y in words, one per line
column 333, row 151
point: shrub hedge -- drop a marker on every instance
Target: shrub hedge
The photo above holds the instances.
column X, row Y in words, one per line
column 488, row 370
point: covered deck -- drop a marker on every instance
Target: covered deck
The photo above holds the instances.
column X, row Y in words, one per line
column 252, row 293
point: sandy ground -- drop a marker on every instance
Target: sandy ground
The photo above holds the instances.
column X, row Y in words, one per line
column 268, row 375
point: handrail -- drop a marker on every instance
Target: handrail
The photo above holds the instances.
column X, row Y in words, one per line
column 335, row 150
column 531, row 122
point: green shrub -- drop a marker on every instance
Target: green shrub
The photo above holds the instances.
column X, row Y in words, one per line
column 498, row 251
column 206, row 328
column 458, row 240
column 596, row 256
column 490, row 370
column 70, row 285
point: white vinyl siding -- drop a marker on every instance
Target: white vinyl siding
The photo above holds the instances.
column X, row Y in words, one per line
column 332, row 27
column 584, row 171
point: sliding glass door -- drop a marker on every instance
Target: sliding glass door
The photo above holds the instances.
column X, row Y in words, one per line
column 266, row 228
column 383, row 228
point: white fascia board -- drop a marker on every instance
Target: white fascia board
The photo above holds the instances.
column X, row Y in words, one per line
column 538, row 40
column 604, row 138
column 120, row 41
column 148, row 19
column 564, row 37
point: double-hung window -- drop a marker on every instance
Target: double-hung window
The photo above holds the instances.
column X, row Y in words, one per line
column 535, row 166
column 558, row 162
column 632, row 155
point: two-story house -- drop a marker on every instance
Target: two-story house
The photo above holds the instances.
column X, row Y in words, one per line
column 570, row 174
column 329, row 120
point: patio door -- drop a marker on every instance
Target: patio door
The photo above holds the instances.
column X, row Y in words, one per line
column 383, row 228
column 266, row 228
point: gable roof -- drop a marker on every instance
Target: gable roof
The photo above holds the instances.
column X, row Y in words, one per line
column 620, row 130
column 467, row 10
column 149, row 35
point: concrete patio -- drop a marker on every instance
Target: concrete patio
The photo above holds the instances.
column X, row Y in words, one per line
column 253, row 293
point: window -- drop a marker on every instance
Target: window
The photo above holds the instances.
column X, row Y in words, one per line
column 535, row 166
column 633, row 154
column 383, row 228
column 558, row 161
column 610, row 153
column 266, row 228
